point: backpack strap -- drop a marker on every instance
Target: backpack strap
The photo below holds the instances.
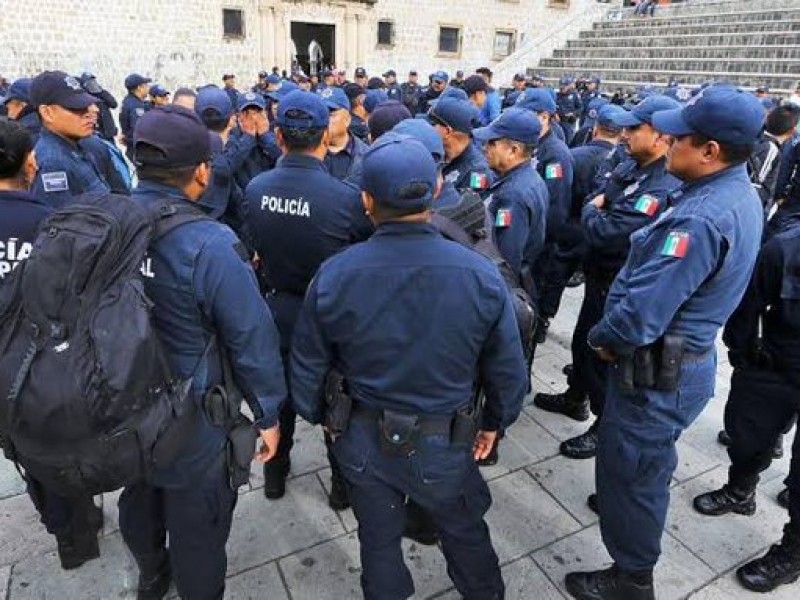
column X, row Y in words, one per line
column 171, row 215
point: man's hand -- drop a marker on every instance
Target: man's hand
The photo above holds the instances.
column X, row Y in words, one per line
column 606, row 355
column 248, row 124
column 483, row 444
column 269, row 438
column 600, row 201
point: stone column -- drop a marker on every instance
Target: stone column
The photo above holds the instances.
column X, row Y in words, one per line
column 266, row 13
column 351, row 43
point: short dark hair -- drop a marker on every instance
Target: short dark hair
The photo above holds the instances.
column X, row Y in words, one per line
column 16, row 144
column 213, row 120
column 178, row 177
column 783, row 119
column 730, row 153
column 301, row 140
column 183, row 92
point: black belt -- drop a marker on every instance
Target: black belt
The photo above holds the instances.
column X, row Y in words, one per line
column 429, row 425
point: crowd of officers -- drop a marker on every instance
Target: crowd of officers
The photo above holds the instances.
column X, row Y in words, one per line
column 679, row 210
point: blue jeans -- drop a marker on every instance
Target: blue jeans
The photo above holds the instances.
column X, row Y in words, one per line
column 444, row 480
column 644, row 5
column 636, row 458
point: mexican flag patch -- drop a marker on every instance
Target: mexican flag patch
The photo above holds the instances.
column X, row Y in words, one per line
column 647, row 205
column 677, row 244
column 554, row 171
column 478, row 181
column 503, row 218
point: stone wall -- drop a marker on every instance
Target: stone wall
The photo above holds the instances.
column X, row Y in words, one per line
column 180, row 42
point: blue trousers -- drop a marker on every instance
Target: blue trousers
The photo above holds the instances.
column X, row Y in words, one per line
column 636, row 458
column 444, row 480
column 198, row 519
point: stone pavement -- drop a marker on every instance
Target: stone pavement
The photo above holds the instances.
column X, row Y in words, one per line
column 297, row 548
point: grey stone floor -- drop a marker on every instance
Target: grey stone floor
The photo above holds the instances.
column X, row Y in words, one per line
column 298, row 548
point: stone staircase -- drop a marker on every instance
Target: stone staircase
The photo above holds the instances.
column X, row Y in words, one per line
column 746, row 42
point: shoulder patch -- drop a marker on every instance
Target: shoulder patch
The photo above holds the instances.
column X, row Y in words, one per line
column 503, row 218
column 554, row 171
column 478, row 181
column 453, row 176
column 55, row 182
column 139, row 112
column 647, row 205
column 677, row 244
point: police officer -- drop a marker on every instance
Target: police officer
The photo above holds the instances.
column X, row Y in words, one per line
column 684, row 276
column 106, row 126
column 410, row 431
column 159, row 95
column 358, row 114
column 328, row 81
column 763, row 338
column 207, row 305
column 393, row 91
column 590, row 91
column 19, row 108
column 555, row 165
column 476, row 89
column 466, row 166
column 299, row 205
column 570, row 107
column 68, row 115
column 588, row 121
column 438, row 84
column 633, row 197
column 344, row 149
column 133, row 108
column 491, row 109
column 411, row 92
column 518, row 85
column 74, row 521
column 229, row 83
column 255, row 150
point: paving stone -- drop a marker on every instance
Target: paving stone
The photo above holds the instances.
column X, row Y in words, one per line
column 113, row 575
column 725, row 541
column 11, row 484
column 347, row 517
column 21, row 533
column 513, row 456
column 559, row 426
column 727, row 587
column 571, row 481
column 678, row 573
column 524, row 580
column 533, row 438
column 692, row 462
column 110, row 507
column 5, row 579
column 264, row 530
column 256, row 584
column 524, row 517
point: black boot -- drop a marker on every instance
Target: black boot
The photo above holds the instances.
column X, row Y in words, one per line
column 493, row 456
column 783, row 498
column 577, row 279
column 155, row 576
column 726, row 500
column 76, row 549
column 275, row 473
column 542, row 325
column 339, row 498
column 568, row 370
column 780, row 565
column 723, row 438
column 610, row 584
column 583, row 445
column 591, row 502
column 570, row 403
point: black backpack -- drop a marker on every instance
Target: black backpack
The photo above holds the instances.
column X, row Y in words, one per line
column 87, row 400
column 470, row 224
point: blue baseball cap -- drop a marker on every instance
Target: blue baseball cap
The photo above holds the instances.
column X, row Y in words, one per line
column 399, row 172
column 592, row 110
column 134, row 80
column 514, row 124
column 273, row 79
column 251, row 100
column 643, row 112
column 335, row 98
column 284, row 88
column 441, row 76
column 566, row 81
column 458, row 115
column 19, row 90
column 537, row 100
column 213, row 98
column 720, row 112
column 606, row 114
column 177, row 133
column 424, row 133
column 374, row 99
column 59, row 88
column 158, row 91
column 302, row 110
column 454, row 93
column 385, row 117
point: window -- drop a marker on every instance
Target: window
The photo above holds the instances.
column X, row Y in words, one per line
column 385, row 33
column 503, row 43
column 232, row 23
column 449, row 40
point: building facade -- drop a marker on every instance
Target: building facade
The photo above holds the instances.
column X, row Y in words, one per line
column 191, row 42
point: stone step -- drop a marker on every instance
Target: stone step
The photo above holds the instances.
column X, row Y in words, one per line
column 680, row 53
column 708, row 29
column 678, row 9
column 700, row 19
column 694, row 41
column 780, row 83
column 786, row 67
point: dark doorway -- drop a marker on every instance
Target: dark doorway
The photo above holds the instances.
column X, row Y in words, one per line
column 323, row 38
